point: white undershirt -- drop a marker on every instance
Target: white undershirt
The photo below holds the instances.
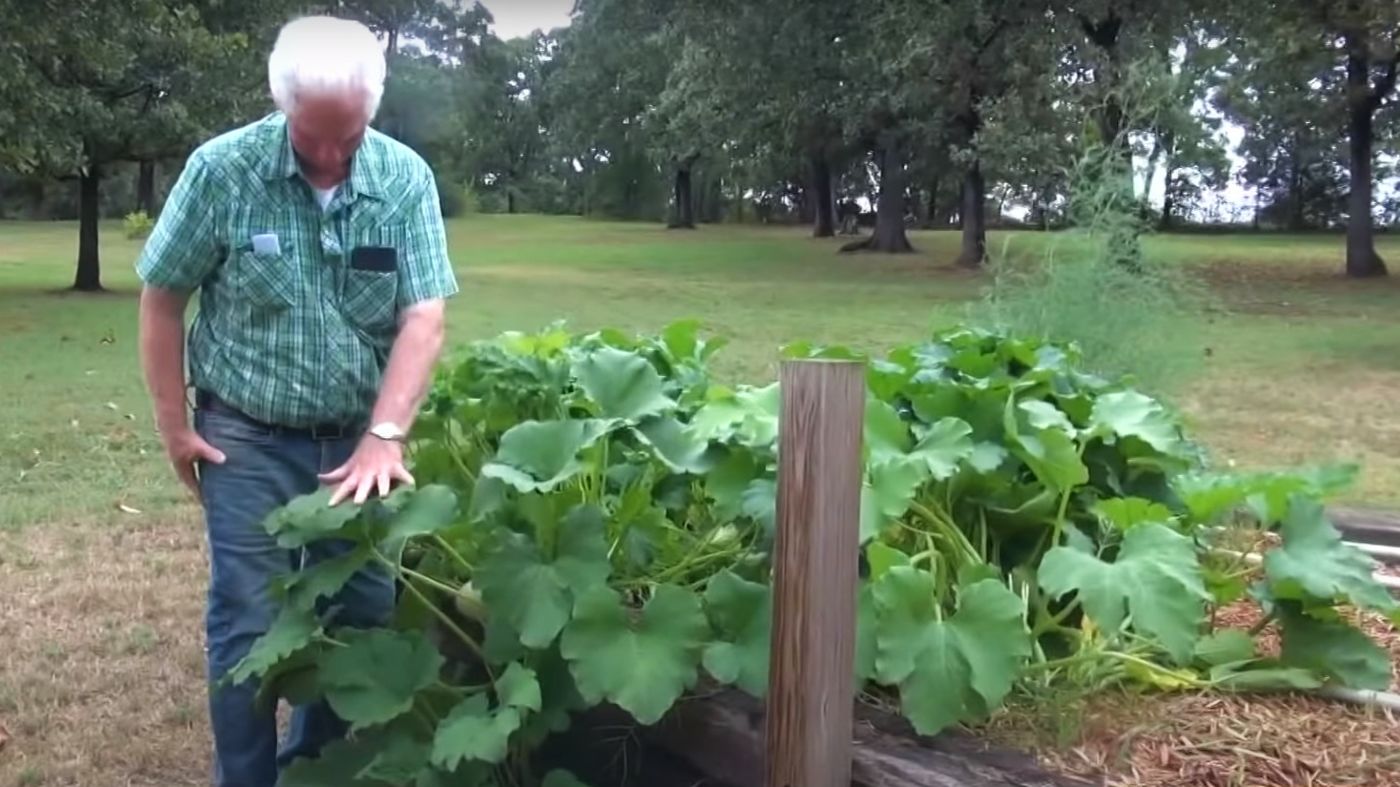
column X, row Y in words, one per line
column 324, row 196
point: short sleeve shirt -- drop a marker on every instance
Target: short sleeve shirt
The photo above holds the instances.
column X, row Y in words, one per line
column 299, row 304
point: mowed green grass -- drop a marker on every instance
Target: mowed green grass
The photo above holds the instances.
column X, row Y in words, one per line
column 1303, row 368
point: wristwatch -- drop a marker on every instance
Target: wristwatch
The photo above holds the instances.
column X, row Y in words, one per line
column 387, row 430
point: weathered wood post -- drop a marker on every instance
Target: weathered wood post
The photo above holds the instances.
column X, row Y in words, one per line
column 811, row 675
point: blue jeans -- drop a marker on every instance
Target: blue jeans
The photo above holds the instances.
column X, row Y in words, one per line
column 264, row 469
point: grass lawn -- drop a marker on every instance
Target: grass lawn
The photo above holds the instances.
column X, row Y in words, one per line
column 101, row 674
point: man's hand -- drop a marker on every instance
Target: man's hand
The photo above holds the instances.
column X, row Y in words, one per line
column 376, row 464
column 186, row 448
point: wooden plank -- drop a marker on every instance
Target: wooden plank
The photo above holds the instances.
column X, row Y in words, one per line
column 1372, row 527
column 811, row 688
column 720, row 732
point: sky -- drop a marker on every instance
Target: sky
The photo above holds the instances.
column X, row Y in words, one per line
column 516, row 18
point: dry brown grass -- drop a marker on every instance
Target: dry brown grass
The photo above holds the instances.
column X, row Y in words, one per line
column 1327, row 415
column 101, row 666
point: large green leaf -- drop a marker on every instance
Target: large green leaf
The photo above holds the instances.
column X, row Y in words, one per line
column 535, row 595
column 325, row 578
column 1156, row 580
column 374, row 678
column 885, row 433
column 1132, row 414
column 675, row 444
column 341, row 762
column 398, row 760
column 887, row 492
column 1334, row 649
column 1128, row 512
column 950, row 669
column 741, row 613
column 293, row 629
column 1314, row 565
column 943, row 447
column 642, row 667
column 518, row 687
column 309, row 518
column 428, row 509
column 622, row 384
column 537, row 456
column 472, row 731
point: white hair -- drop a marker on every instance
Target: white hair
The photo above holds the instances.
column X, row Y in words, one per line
column 326, row 55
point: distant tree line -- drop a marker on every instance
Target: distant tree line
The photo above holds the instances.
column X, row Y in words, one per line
column 958, row 113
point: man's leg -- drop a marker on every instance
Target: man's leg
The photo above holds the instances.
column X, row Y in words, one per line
column 366, row 601
column 259, row 475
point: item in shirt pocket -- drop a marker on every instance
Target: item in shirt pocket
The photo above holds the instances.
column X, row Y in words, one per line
column 382, row 259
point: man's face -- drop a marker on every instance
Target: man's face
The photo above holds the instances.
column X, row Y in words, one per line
column 326, row 130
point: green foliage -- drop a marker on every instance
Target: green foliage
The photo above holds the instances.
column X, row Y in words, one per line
column 594, row 524
column 138, row 225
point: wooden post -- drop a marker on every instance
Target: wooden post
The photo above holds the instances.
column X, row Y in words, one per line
column 811, row 666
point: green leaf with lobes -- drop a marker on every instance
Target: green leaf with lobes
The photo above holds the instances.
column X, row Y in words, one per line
column 427, row 510
column 1333, row 649
column 888, row 490
column 1156, row 579
column 1226, row 646
column 943, row 447
column 325, row 578
column 1132, row 414
column 885, row 434
column 309, row 518
column 948, row 669
column 472, row 731
column 374, row 678
column 642, row 667
column 1315, row 565
column 741, row 613
column 398, row 761
column 518, row 687
column 537, row 456
column 1127, row 512
column 623, row 384
column 293, row 629
column 675, row 444
column 340, row 763
column 535, row 595
column 1051, row 453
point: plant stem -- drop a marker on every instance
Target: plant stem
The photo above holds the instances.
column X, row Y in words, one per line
column 427, row 580
column 1261, row 625
column 454, row 554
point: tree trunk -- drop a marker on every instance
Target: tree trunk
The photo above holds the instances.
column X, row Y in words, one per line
column 1362, row 259
column 89, row 277
column 933, row 201
column 889, row 235
column 1297, row 218
column 684, row 216
column 1168, row 204
column 974, row 229
column 146, row 188
column 824, row 225
column 510, row 200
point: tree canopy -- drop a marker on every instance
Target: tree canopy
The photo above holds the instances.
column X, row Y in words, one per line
column 888, row 114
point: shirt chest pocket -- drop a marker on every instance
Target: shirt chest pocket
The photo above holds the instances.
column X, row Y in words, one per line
column 265, row 280
column 369, row 299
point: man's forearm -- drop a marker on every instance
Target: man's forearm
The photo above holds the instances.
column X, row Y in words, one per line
column 162, row 326
column 410, row 367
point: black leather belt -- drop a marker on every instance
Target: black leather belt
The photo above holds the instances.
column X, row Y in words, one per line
column 205, row 400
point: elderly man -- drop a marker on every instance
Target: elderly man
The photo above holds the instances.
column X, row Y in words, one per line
column 318, row 249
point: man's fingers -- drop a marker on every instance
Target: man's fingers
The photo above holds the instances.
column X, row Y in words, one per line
column 341, row 473
column 384, row 480
column 203, row 450
column 185, row 470
column 401, row 473
column 343, row 491
column 362, row 491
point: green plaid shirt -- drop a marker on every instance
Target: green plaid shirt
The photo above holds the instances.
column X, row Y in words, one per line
column 300, row 335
